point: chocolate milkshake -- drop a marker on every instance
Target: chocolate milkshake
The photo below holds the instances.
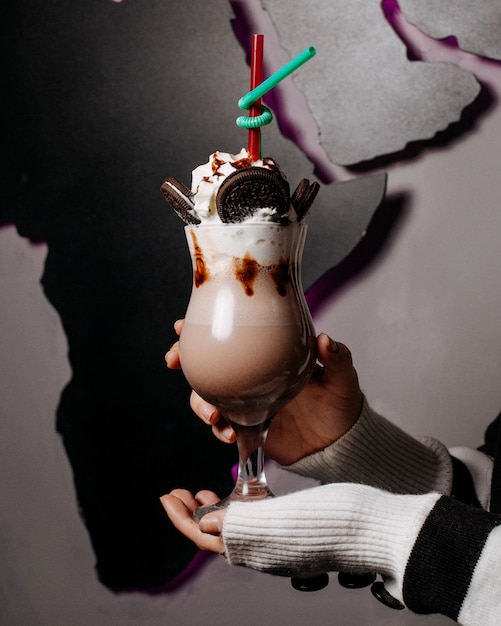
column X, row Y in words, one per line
column 247, row 344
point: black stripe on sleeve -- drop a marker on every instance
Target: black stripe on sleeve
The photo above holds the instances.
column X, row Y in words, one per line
column 444, row 556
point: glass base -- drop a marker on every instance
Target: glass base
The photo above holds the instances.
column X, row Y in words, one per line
column 203, row 510
column 250, row 494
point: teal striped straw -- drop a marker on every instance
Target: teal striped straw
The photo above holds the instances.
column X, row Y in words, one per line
column 248, row 100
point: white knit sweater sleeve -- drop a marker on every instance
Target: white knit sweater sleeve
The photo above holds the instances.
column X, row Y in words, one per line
column 436, row 554
column 378, row 453
column 341, row 527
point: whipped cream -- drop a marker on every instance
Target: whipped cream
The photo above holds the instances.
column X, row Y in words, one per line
column 207, row 178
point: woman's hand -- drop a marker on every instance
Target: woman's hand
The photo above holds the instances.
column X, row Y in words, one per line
column 206, row 534
column 336, row 527
column 325, row 409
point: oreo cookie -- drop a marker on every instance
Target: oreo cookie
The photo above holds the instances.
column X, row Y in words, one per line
column 303, row 197
column 245, row 191
column 180, row 199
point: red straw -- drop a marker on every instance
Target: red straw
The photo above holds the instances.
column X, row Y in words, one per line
column 256, row 78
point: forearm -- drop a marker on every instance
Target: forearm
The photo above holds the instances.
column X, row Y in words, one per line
column 341, row 527
column 435, row 554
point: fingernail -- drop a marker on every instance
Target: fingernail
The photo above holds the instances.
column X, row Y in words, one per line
column 228, row 433
column 167, row 357
column 332, row 346
column 164, row 501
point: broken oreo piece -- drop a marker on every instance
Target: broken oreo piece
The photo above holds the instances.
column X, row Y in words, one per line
column 180, row 199
column 299, row 193
column 250, row 189
column 303, row 197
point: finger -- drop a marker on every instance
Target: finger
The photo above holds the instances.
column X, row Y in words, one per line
column 209, row 414
column 206, row 497
column 332, row 354
column 337, row 364
column 206, row 412
column 339, row 374
column 186, row 497
column 182, row 518
column 178, row 326
column 224, row 432
column 212, row 523
column 172, row 357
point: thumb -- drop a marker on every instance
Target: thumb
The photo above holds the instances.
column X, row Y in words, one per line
column 212, row 523
column 334, row 356
column 339, row 376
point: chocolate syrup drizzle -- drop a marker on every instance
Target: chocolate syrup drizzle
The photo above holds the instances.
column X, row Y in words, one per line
column 246, row 270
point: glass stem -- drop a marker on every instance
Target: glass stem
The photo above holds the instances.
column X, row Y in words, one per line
column 251, row 481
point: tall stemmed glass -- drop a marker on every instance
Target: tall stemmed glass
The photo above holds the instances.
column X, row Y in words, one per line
column 248, row 342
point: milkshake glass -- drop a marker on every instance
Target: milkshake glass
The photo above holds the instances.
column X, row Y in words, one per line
column 248, row 342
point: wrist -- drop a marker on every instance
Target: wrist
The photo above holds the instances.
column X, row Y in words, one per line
column 378, row 453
